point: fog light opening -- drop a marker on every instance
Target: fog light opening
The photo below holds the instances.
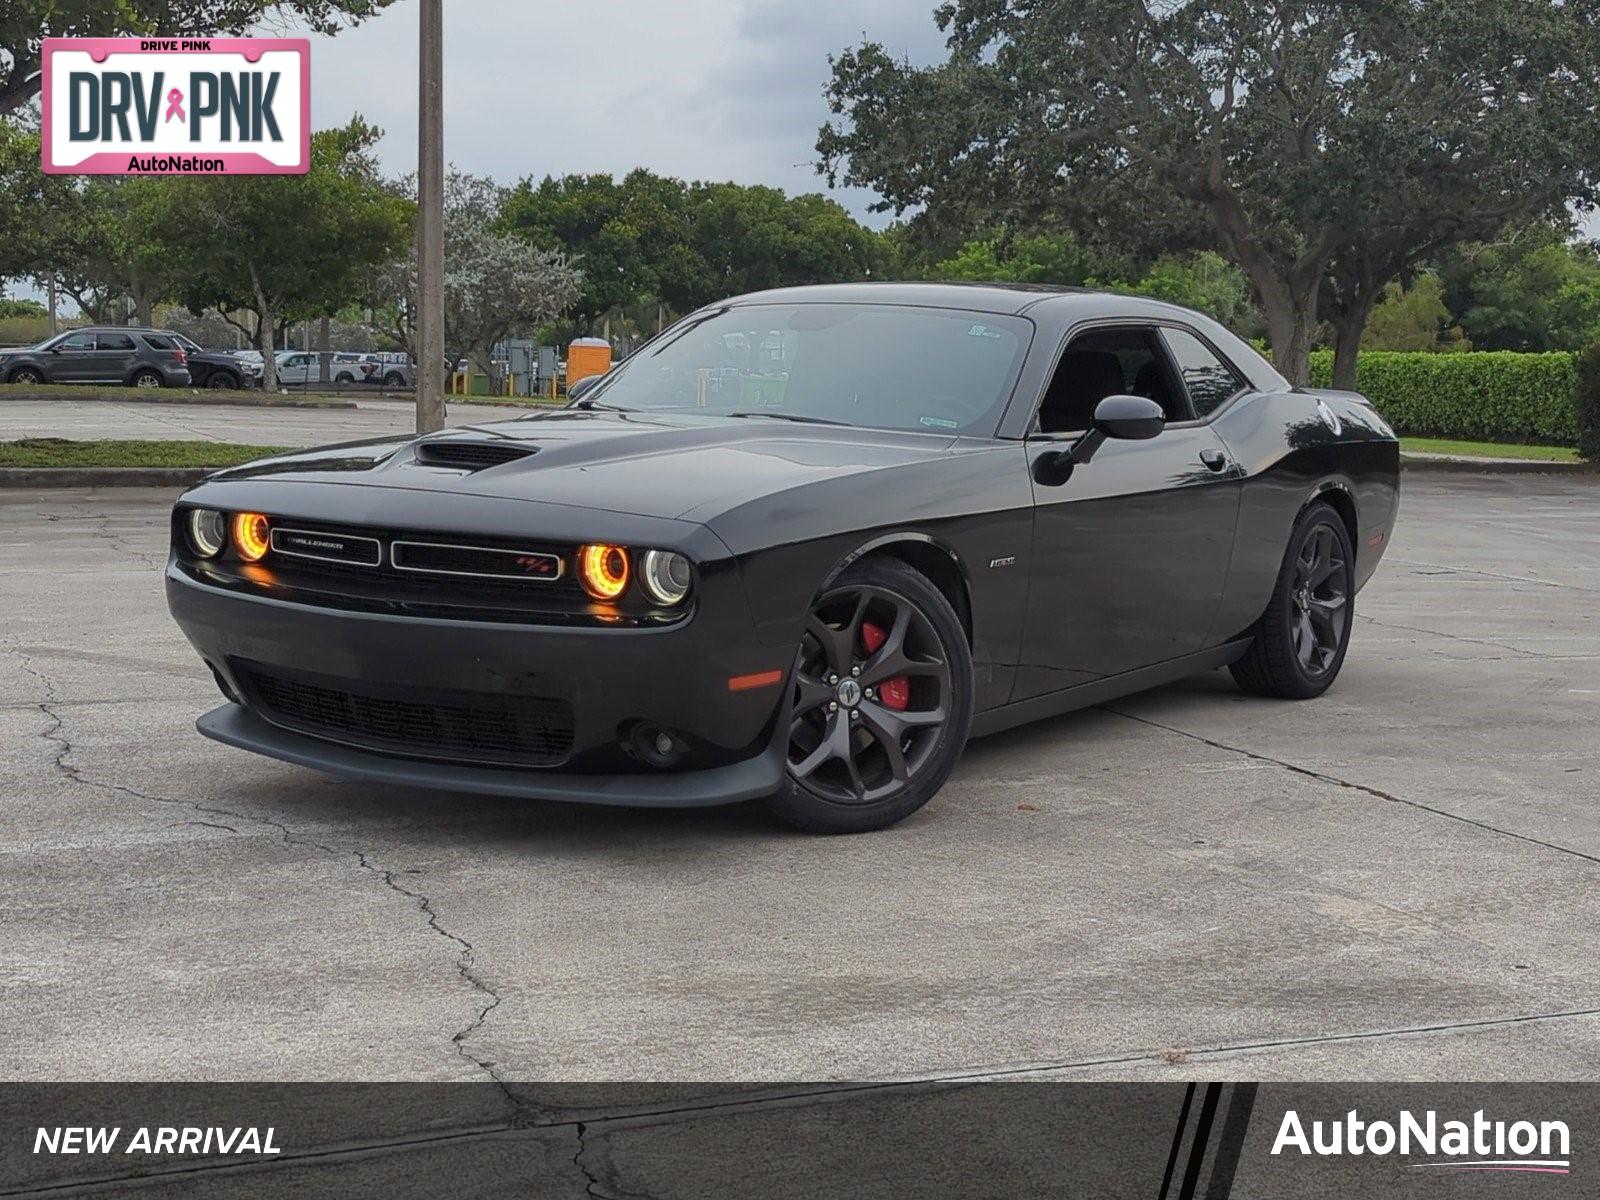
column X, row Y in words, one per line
column 656, row 746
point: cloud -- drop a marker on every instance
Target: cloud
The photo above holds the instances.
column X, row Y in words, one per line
column 698, row 89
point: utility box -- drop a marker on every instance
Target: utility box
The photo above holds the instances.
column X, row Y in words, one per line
column 585, row 357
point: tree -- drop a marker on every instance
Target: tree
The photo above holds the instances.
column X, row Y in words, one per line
column 24, row 24
column 1531, row 291
column 495, row 283
column 283, row 247
column 1205, row 281
column 752, row 238
column 1413, row 318
column 631, row 238
column 94, row 239
column 1038, row 258
column 649, row 239
column 1285, row 136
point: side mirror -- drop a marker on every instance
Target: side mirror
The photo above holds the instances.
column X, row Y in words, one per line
column 1126, row 418
column 56, row 349
column 587, row 384
column 1129, row 418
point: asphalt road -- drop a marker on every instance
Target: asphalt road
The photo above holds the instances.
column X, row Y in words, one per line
column 85, row 420
column 1396, row 881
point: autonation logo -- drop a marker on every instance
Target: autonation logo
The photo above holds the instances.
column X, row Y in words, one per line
column 1480, row 1144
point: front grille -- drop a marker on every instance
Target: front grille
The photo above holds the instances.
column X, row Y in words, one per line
column 437, row 558
column 471, row 456
column 468, row 726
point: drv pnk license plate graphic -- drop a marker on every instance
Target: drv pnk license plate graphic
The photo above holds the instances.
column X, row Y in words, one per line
column 176, row 106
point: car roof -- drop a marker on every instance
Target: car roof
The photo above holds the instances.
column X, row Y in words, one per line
column 1004, row 298
column 987, row 297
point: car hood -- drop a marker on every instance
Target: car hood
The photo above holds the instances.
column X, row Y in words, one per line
column 658, row 465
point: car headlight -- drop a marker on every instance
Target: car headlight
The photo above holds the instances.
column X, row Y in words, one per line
column 251, row 534
column 208, row 532
column 665, row 575
column 604, row 570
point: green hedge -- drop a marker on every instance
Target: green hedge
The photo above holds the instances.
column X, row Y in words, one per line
column 1497, row 395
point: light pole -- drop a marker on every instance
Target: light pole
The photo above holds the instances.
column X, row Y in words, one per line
column 430, row 220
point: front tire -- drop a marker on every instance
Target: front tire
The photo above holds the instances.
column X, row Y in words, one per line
column 881, row 701
column 1301, row 639
column 394, row 380
column 222, row 379
column 26, row 375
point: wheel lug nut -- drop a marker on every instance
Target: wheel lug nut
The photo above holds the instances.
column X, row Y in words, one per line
column 869, row 694
column 855, row 670
column 855, row 715
column 833, row 706
column 833, row 679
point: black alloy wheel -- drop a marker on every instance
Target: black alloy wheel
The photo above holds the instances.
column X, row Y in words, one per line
column 222, row 379
column 880, row 701
column 1301, row 639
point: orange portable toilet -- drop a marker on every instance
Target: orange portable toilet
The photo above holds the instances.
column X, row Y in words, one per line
column 587, row 356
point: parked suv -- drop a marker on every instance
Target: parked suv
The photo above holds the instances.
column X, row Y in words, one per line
column 207, row 368
column 110, row 354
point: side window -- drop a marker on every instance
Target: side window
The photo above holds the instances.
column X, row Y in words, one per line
column 1209, row 380
column 113, row 341
column 78, row 341
column 158, row 341
column 1108, row 362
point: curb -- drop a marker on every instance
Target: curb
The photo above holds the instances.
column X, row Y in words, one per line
column 55, row 477
column 1500, row 466
column 229, row 399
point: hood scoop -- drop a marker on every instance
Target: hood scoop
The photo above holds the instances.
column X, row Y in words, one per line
column 467, row 455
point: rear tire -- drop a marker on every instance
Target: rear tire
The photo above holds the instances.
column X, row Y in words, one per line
column 1301, row 638
column 146, row 379
column 874, row 733
column 394, row 380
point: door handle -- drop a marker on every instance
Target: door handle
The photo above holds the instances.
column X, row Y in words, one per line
column 1216, row 460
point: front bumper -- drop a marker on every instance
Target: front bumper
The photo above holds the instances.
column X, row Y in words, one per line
column 610, row 680
column 234, row 725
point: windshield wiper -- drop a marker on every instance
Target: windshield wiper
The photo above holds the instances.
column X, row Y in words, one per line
column 784, row 416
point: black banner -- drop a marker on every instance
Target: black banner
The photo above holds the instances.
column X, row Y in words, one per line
column 1201, row 1141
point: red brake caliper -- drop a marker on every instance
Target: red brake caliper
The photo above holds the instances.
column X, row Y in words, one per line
column 895, row 693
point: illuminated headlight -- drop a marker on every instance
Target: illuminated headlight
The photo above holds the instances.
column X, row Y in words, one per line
column 208, row 532
column 252, row 534
column 665, row 575
column 604, row 570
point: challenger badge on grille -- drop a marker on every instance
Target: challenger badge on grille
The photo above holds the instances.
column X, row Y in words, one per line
column 330, row 547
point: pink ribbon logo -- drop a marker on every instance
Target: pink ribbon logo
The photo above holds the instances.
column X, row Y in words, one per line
column 175, row 105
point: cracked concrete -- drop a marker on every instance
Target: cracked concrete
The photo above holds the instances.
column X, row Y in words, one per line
column 1396, row 880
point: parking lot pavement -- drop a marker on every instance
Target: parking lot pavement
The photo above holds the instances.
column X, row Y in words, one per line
column 86, row 420
column 1397, row 880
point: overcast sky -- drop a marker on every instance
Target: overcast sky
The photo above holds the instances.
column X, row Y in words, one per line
column 698, row 89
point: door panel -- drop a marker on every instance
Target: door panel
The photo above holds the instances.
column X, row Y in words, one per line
column 1129, row 558
column 114, row 355
column 75, row 363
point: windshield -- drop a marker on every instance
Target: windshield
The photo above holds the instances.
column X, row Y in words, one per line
column 879, row 366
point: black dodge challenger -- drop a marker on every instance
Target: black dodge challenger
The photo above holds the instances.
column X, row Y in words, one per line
column 800, row 547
